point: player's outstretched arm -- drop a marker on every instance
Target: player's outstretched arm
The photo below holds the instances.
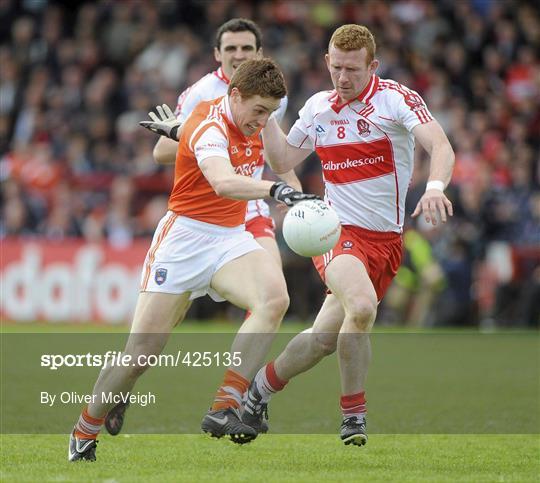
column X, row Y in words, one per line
column 281, row 156
column 168, row 127
column 220, row 173
column 165, row 151
column 434, row 202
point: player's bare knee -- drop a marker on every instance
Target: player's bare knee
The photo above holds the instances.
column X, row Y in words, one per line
column 277, row 306
column 273, row 308
column 362, row 312
column 324, row 344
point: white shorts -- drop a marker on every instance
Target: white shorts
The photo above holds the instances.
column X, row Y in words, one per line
column 185, row 254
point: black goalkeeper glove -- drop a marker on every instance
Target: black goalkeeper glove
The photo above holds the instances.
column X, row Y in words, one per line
column 167, row 126
column 281, row 191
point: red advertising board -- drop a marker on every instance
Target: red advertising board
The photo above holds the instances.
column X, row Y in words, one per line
column 69, row 280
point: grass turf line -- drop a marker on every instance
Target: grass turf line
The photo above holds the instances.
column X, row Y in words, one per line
column 294, row 458
column 228, row 326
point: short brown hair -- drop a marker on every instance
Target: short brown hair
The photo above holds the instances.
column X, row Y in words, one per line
column 354, row 37
column 259, row 77
column 240, row 25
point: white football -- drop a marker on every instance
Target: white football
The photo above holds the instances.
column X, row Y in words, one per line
column 311, row 228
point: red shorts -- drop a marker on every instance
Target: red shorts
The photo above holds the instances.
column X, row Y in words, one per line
column 261, row 227
column 379, row 251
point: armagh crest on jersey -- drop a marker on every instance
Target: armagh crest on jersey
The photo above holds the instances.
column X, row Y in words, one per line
column 366, row 149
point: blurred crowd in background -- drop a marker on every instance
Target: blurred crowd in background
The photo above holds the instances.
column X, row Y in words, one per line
column 76, row 77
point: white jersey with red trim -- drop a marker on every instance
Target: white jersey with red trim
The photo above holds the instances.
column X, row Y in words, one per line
column 366, row 149
column 212, row 86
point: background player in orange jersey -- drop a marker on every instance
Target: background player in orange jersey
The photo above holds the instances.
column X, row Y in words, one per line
column 201, row 247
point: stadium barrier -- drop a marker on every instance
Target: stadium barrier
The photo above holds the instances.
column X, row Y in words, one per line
column 69, row 280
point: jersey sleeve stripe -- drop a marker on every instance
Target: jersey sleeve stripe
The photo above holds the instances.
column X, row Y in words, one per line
column 201, row 129
column 422, row 114
column 367, row 111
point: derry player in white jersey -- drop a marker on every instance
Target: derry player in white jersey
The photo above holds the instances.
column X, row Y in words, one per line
column 237, row 40
column 364, row 132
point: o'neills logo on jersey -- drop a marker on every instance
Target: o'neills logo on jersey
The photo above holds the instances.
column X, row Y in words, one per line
column 339, row 122
column 348, row 163
column 351, row 163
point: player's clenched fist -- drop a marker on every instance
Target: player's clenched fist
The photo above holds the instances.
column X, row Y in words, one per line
column 165, row 124
column 281, row 191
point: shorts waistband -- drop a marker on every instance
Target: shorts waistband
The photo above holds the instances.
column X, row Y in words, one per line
column 373, row 235
column 207, row 228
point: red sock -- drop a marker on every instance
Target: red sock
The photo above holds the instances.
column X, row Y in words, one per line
column 275, row 382
column 353, row 404
column 230, row 393
column 88, row 427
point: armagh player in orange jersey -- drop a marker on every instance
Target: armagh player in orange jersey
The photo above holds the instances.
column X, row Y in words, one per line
column 201, row 247
column 236, row 41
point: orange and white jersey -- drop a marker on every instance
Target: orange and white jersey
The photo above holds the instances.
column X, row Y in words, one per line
column 210, row 131
column 212, row 86
column 366, row 149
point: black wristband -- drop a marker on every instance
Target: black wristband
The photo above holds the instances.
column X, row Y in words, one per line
column 274, row 187
column 174, row 133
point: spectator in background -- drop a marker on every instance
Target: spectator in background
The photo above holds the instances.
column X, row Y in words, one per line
column 119, row 222
column 418, row 282
column 77, row 80
column 16, row 215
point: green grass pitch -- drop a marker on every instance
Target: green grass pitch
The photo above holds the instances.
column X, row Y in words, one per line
column 292, row 458
column 510, row 363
